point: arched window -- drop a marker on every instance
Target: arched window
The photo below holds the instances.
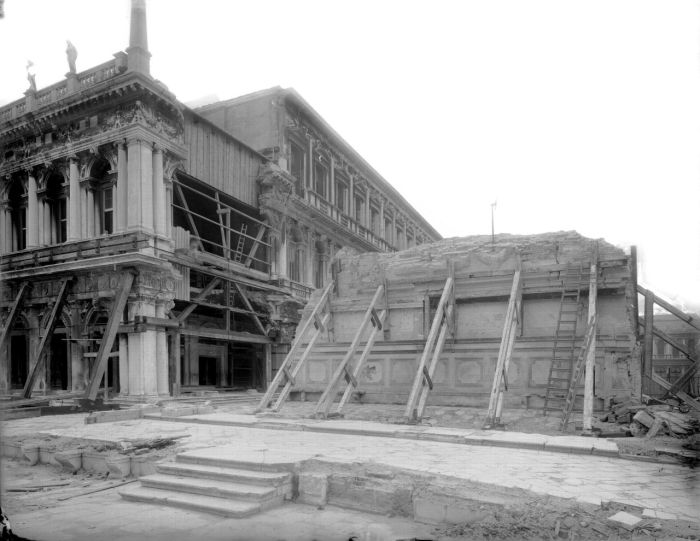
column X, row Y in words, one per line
column 103, row 185
column 56, row 192
column 18, row 210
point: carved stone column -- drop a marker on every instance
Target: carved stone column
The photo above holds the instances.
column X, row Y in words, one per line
column 123, row 365
column 4, row 247
column 47, row 224
column 89, row 217
column 142, row 350
column 382, row 228
column 122, row 182
column 162, row 352
column 368, row 209
column 74, row 218
column 331, row 181
column 159, row 196
column 140, row 185
column 32, row 213
column 351, row 197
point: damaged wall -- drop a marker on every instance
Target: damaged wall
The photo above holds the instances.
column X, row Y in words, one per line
column 483, row 276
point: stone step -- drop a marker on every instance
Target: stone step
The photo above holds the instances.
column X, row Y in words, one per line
column 261, row 478
column 225, row 462
column 213, row 488
column 193, row 502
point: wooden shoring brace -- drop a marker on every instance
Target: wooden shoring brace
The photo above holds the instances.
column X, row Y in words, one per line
column 14, row 310
column 284, row 371
column 249, row 306
column 46, row 333
column 429, row 371
column 422, row 377
column 253, row 249
column 376, row 328
column 682, row 395
column 500, row 376
column 328, row 395
column 588, row 394
column 188, row 212
column 182, row 316
column 583, row 355
column 125, row 282
column 224, row 227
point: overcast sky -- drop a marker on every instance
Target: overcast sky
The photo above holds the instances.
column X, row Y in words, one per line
column 571, row 115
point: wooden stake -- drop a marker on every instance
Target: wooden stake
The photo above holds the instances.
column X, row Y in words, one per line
column 588, row 397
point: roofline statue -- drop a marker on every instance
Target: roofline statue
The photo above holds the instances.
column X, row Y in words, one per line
column 72, row 54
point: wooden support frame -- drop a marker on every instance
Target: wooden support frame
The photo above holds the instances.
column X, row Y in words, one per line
column 419, row 381
column 285, row 369
column 46, row 333
column 685, row 397
column 500, row 377
column 14, row 311
column 589, row 384
column 125, row 282
column 188, row 212
column 182, row 316
column 255, row 317
column 254, row 249
column 583, row 358
column 329, row 393
column 669, row 307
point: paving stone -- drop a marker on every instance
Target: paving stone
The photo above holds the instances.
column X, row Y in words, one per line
column 626, row 520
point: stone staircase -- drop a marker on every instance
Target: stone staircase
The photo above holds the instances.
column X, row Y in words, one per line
column 224, row 487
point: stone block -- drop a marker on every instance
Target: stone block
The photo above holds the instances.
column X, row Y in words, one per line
column 71, row 460
column 313, row 488
column 653, row 513
column 30, row 453
column 626, row 520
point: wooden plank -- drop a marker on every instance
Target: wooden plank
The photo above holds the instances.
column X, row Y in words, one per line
column 14, row 310
column 588, row 397
column 297, row 367
column 45, row 338
column 647, row 368
column 328, row 395
column 693, row 322
column 432, row 336
column 125, row 282
column 182, row 316
column 360, row 363
column 507, row 336
column 685, row 397
column 258, row 323
column 429, row 371
column 272, row 388
column 253, row 250
column 509, row 354
column 227, row 336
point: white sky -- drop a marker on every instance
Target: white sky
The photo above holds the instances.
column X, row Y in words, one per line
column 577, row 115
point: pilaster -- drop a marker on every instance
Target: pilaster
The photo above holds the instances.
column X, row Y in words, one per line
column 122, row 182
column 32, row 212
column 159, row 195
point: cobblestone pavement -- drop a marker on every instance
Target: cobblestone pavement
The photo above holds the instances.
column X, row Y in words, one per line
column 663, row 487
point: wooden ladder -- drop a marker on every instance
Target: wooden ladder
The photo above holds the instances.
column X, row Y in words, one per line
column 289, row 369
column 423, row 382
column 238, row 254
column 564, row 341
column 329, row 394
column 578, row 370
column 45, row 337
column 500, row 377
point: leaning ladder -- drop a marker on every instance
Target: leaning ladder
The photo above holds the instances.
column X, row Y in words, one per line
column 329, row 394
column 500, row 377
column 288, row 371
column 423, row 382
column 578, row 369
column 564, row 348
column 238, row 254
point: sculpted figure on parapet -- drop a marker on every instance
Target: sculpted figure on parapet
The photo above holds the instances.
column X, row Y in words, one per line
column 72, row 55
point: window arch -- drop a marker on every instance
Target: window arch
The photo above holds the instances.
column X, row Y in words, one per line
column 18, row 211
column 56, row 196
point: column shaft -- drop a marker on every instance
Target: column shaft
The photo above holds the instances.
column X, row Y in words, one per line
column 159, row 197
column 74, row 218
column 90, row 213
column 32, row 214
column 122, row 181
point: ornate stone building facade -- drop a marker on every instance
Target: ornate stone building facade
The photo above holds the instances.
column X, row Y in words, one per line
column 146, row 243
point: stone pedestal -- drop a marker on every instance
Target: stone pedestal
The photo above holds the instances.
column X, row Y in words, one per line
column 72, row 83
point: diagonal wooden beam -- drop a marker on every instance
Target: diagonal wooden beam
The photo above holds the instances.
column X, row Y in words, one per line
column 125, row 282
column 249, row 306
column 685, row 397
column 43, row 343
column 182, row 316
column 188, row 212
column 9, row 323
column 685, row 377
column 253, row 249
column 693, row 322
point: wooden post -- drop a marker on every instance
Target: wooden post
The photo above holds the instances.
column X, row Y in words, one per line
column 419, row 380
column 115, row 317
column 328, row 395
column 647, row 369
column 635, row 292
column 423, row 399
column 45, row 338
column 588, row 397
column 267, row 350
column 175, row 363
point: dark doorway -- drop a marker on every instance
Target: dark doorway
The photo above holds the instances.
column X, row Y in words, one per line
column 19, row 362
column 59, row 362
column 207, row 370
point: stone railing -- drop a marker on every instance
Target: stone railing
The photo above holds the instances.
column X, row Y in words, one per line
column 60, row 90
column 297, row 289
column 318, row 202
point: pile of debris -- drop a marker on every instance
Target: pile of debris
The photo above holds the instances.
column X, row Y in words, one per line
column 649, row 420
